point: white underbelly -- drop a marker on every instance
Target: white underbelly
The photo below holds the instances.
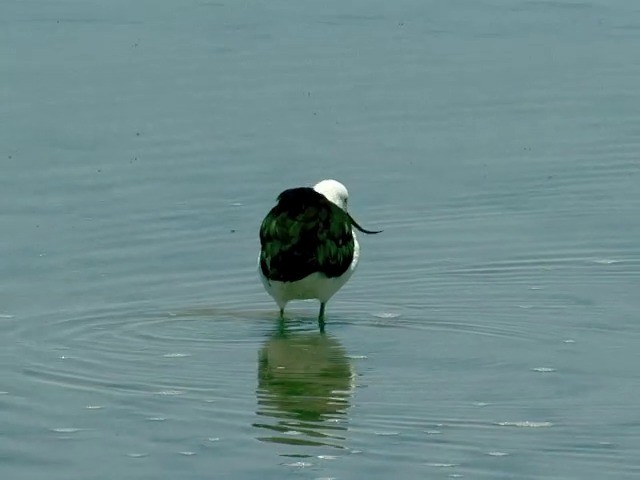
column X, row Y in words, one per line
column 316, row 285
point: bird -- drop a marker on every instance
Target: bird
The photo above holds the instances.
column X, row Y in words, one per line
column 308, row 245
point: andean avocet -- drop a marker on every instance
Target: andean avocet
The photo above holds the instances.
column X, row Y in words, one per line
column 308, row 245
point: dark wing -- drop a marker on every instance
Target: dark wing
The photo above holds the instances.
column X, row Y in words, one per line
column 305, row 233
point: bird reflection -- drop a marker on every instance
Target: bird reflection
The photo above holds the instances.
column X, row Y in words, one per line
column 304, row 386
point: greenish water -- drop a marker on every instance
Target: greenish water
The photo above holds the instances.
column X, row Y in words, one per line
column 491, row 331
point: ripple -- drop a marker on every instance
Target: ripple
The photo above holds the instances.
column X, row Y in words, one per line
column 137, row 455
column 170, row 393
column 386, row 315
column 298, row 464
column 66, row 430
column 114, row 350
column 526, row 424
column 497, row 328
column 605, row 261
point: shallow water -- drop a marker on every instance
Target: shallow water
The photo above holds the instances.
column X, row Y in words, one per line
column 490, row 332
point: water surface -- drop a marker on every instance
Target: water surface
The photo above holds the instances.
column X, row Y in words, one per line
column 490, row 332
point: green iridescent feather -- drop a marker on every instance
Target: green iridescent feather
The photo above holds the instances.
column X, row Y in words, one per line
column 305, row 233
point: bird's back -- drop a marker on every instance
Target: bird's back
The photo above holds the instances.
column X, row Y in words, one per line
column 305, row 233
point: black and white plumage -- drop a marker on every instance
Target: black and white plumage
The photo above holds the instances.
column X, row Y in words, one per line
column 308, row 244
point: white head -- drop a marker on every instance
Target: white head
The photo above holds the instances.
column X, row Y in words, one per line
column 334, row 191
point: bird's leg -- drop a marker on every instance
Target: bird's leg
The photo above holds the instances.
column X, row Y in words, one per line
column 281, row 322
column 321, row 317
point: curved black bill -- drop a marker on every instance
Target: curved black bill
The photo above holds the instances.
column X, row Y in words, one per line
column 358, row 227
